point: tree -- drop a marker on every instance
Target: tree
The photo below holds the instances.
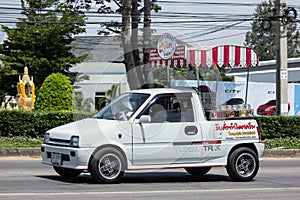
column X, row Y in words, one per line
column 113, row 92
column 189, row 73
column 41, row 41
column 82, row 104
column 55, row 94
column 210, row 74
column 129, row 42
column 131, row 11
column 262, row 38
column 146, row 41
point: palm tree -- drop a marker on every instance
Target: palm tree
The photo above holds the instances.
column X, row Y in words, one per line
column 113, row 92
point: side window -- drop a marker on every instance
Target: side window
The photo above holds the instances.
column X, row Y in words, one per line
column 171, row 108
column 186, row 109
column 157, row 113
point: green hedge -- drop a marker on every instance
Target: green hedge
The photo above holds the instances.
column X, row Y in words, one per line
column 279, row 126
column 285, row 143
column 34, row 123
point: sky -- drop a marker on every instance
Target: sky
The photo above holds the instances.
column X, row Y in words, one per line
column 216, row 33
column 196, row 22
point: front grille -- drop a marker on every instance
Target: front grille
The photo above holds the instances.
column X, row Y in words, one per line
column 59, row 142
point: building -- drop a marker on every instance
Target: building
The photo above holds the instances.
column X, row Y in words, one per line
column 102, row 68
column 94, row 79
column 266, row 72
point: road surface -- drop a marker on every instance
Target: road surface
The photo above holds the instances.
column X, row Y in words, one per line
column 28, row 179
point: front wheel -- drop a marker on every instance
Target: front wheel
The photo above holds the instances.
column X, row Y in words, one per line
column 67, row 173
column 107, row 165
column 197, row 171
column 242, row 164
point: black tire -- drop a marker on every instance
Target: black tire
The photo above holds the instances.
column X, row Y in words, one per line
column 242, row 164
column 197, row 171
column 107, row 165
column 67, row 173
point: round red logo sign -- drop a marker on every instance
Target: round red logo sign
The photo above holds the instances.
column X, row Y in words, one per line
column 166, row 46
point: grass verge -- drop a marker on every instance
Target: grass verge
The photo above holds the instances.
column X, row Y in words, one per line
column 20, row 141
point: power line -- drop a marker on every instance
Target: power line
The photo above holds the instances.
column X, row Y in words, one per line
column 208, row 23
column 207, row 3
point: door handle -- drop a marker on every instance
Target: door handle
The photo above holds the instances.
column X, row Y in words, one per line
column 191, row 130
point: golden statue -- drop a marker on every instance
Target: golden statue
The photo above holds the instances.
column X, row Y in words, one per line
column 26, row 89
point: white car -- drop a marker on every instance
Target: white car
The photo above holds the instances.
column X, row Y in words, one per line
column 154, row 129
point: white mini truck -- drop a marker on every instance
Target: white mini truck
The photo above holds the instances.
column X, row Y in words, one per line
column 154, row 129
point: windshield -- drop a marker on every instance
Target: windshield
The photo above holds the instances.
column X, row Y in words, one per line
column 272, row 103
column 123, row 107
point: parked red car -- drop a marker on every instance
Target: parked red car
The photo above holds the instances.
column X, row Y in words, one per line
column 269, row 108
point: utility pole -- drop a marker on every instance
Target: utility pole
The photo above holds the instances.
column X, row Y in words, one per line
column 281, row 60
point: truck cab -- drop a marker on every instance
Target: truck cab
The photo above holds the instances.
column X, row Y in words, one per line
column 154, row 129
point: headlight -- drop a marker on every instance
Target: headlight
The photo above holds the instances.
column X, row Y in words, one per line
column 74, row 142
column 46, row 138
column 268, row 109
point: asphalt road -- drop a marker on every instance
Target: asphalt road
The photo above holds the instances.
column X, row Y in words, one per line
column 28, row 179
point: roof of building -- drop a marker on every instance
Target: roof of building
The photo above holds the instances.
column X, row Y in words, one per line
column 268, row 65
column 266, row 71
column 99, row 68
column 155, row 91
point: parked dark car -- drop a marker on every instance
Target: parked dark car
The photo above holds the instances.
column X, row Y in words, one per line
column 269, row 108
column 234, row 101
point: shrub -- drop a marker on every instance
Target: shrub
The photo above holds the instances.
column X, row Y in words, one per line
column 279, row 126
column 55, row 94
column 285, row 143
column 34, row 124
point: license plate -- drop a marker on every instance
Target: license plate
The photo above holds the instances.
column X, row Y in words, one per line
column 56, row 159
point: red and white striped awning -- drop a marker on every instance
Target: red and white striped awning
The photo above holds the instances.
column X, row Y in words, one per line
column 223, row 56
column 177, row 60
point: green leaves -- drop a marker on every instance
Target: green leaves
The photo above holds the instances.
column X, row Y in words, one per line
column 34, row 124
column 56, row 94
column 277, row 131
column 20, row 141
column 42, row 41
column 262, row 39
column 279, row 126
column 285, row 143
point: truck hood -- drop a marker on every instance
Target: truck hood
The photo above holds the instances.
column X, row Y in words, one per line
column 92, row 132
column 86, row 128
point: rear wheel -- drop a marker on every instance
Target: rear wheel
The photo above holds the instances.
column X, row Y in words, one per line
column 67, row 173
column 242, row 164
column 198, row 171
column 107, row 165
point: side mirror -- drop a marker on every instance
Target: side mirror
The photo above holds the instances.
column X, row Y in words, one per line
column 145, row 119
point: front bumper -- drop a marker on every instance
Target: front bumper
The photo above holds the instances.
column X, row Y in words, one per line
column 74, row 158
column 267, row 113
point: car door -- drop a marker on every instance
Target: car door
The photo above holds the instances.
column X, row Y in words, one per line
column 172, row 137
